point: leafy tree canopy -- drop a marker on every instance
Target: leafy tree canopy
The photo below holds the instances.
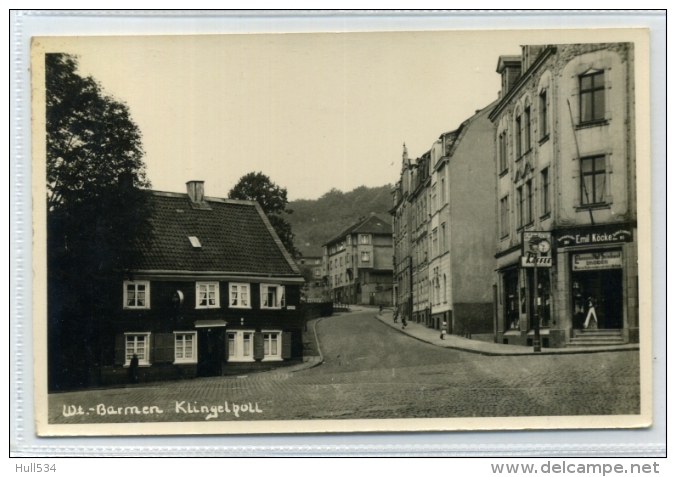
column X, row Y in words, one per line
column 272, row 199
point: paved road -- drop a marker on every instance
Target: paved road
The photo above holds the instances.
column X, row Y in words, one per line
column 373, row 371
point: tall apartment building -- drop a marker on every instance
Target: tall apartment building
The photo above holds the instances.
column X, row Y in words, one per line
column 566, row 166
column 357, row 263
column 444, row 224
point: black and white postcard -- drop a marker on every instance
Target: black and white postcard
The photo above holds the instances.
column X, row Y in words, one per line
column 341, row 232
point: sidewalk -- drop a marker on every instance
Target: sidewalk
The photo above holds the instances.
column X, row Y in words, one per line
column 430, row 335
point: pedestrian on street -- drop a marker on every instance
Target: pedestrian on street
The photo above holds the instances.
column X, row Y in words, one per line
column 380, row 310
column 443, row 331
column 396, row 314
column 403, row 322
column 133, row 369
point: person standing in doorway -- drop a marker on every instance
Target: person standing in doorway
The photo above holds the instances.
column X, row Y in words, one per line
column 591, row 313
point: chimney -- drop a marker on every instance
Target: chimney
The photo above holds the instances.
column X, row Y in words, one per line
column 196, row 195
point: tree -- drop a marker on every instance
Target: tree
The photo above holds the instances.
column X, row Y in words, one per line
column 272, row 199
column 97, row 210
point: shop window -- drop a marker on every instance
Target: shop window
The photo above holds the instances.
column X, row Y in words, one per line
column 240, row 346
column 593, row 180
column 592, row 97
column 185, row 347
column 544, row 298
column 207, row 295
column 511, row 301
column 137, row 344
column 136, row 295
column 239, row 295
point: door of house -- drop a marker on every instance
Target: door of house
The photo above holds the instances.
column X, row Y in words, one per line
column 211, row 351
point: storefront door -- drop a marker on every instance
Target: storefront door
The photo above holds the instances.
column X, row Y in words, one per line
column 598, row 293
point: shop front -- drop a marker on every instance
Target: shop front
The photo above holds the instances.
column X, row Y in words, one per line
column 598, row 282
column 590, row 293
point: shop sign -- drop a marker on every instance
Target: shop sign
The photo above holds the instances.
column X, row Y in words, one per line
column 597, row 260
column 537, row 249
column 601, row 234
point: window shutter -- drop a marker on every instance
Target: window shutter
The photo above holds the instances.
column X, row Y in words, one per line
column 286, row 345
column 226, row 346
column 258, row 346
column 151, row 352
column 119, row 349
column 164, row 347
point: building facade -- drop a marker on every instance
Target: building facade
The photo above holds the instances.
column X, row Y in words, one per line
column 215, row 293
column 566, row 166
column 311, row 269
column 357, row 263
column 444, row 224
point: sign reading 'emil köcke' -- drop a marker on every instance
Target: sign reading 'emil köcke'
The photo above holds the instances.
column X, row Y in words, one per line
column 537, row 249
column 600, row 234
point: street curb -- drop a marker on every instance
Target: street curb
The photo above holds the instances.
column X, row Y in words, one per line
column 525, row 353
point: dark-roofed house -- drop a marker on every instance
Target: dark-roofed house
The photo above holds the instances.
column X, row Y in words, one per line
column 357, row 263
column 215, row 293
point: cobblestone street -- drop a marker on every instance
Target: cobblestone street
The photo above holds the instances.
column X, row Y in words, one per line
column 373, row 371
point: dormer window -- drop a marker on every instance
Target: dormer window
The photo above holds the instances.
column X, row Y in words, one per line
column 195, row 242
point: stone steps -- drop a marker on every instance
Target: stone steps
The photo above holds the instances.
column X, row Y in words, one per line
column 583, row 338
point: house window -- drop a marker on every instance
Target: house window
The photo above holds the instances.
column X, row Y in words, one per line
column 365, row 257
column 504, row 217
column 544, row 123
column 316, row 272
column 136, row 295
column 520, row 205
column 240, row 346
column 364, row 239
column 272, row 346
column 443, row 238
column 592, row 97
column 517, row 140
column 527, row 135
column 443, row 189
column 435, row 242
column 185, row 347
column 136, row 344
column 529, row 203
column 239, row 295
column 593, row 183
column 502, row 150
column 272, row 296
column 546, row 206
column 207, row 295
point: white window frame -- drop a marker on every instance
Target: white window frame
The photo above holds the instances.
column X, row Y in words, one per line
column 136, row 283
column 141, row 362
column 184, row 359
column 238, row 349
column 280, row 295
column 367, row 255
column 364, row 239
column 271, row 357
column 239, row 287
column 216, row 292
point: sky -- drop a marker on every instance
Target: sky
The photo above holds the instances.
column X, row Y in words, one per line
column 311, row 111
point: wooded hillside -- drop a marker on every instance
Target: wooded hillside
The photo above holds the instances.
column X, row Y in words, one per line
column 314, row 222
